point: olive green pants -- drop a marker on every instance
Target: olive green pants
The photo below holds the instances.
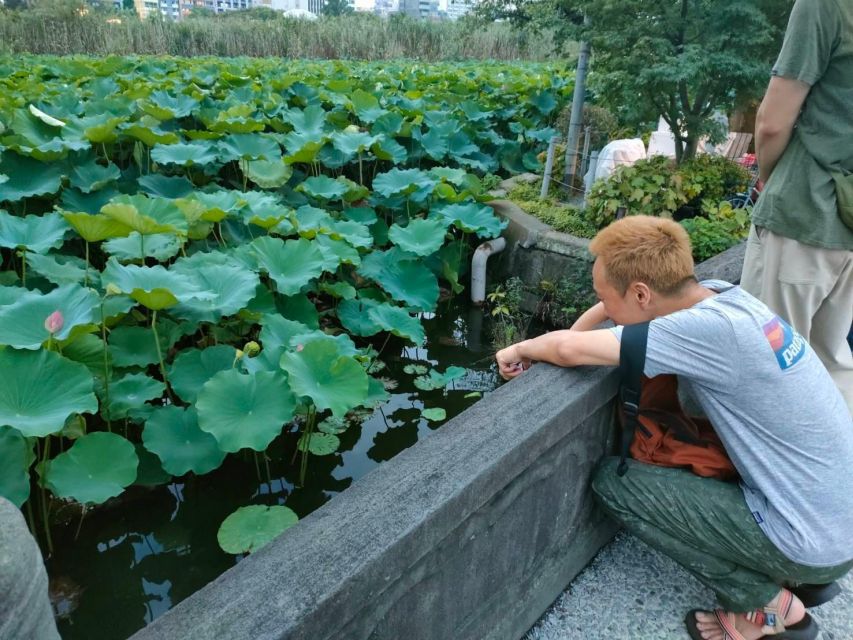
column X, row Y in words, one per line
column 707, row 528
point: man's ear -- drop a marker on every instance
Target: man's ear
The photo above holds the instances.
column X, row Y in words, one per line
column 641, row 292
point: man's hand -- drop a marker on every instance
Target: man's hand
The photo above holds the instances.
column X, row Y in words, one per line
column 510, row 362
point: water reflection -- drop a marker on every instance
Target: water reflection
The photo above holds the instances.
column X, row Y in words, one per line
column 134, row 560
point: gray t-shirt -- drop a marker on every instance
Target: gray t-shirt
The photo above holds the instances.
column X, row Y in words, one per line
column 781, row 418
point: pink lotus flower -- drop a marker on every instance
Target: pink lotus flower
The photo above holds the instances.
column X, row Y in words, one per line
column 54, row 322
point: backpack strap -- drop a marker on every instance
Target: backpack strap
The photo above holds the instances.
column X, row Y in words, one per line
column 632, row 361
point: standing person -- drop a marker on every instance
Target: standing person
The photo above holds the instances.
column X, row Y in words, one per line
column 771, row 401
column 799, row 256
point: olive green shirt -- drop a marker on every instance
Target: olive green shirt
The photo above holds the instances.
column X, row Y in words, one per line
column 798, row 200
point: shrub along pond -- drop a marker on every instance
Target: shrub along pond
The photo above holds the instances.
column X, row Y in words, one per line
column 209, row 267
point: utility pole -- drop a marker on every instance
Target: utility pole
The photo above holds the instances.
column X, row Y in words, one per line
column 577, row 116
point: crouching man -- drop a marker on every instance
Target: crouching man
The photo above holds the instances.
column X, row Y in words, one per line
column 784, row 529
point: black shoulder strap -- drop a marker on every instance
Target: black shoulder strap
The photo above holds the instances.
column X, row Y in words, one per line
column 632, row 362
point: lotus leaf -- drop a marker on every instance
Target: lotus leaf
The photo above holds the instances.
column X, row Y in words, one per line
column 324, row 187
column 343, row 343
column 351, row 143
column 148, row 132
column 94, row 228
column 402, row 182
column 22, row 323
column 169, row 187
column 134, row 346
column 391, row 150
column 336, row 251
column 376, row 393
column 342, row 290
column 299, row 308
column 178, row 106
column 472, row 218
column 47, row 119
column 250, row 528
column 353, row 232
column 92, row 176
column 160, row 246
column 330, row 380
column 231, row 283
column 41, row 389
column 398, row 322
column 417, row 369
column 436, row 380
column 366, row 106
column 454, row 176
column 88, row 350
column 362, row 215
column 434, row 415
column 218, row 204
column 153, row 287
column 263, row 209
column 420, row 237
column 319, row 444
column 91, row 203
column 39, row 234
column 268, row 174
column 245, row 410
column 185, row 154
column 28, row 177
column 192, row 368
column 292, row 264
column 355, row 316
column 132, row 392
column 173, row 434
column 97, row 467
column 150, row 472
column 146, row 215
column 60, row 269
column 404, row 278
column 16, row 456
column 311, row 220
column 244, row 146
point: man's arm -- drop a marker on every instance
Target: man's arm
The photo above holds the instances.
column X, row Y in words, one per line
column 590, row 318
column 775, row 121
column 564, row 348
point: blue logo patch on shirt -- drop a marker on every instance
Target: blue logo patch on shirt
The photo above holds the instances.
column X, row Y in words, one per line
column 788, row 345
column 757, row 517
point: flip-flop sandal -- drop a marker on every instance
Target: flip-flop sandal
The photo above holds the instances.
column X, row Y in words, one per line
column 805, row 629
column 813, row 595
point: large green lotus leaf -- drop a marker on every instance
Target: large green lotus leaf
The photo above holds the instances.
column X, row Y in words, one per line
column 406, row 279
column 10, row 294
column 436, row 414
column 169, row 187
column 319, row 444
column 22, row 323
column 173, row 434
column 398, row 321
column 310, row 121
column 472, row 217
column 391, row 150
column 299, row 308
column 544, row 101
column 332, row 381
column 41, row 389
column 435, row 143
column 100, row 128
column 88, row 350
column 146, row 215
column 178, row 106
column 91, row 176
column 39, row 234
column 91, row 203
column 150, row 472
column 454, row 176
column 218, row 204
column 355, row 316
column 194, row 367
column 154, row 287
column 292, row 264
column 302, row 147
column 97, row 467
column 185, row 154
column 436, row 380
column 336, row 251
column 276, row 334
column 160, row 246
column 362, row 215
column 353, row 232
column 94, row 228
column 342, row 290
column 132, row 392
column 28, row 177
column 366, row 106
column 351, row 143
column 420, row 237
column 245, row 410
column 390, row 124
column 250, row 528
column 148, row 132
column 61, row 269
column 16, row 456
column 133, row 347
column 324, row 187
column 249, row 146
column 402, row 182
column 232, row 284
column 268, row 174
column 311, row 220
column 343, row 343
column 262, row 209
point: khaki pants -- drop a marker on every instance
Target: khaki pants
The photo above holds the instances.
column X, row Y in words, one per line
column 812, row 289
column 706, row 527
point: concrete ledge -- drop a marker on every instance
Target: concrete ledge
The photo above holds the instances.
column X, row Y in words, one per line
column 469, row 534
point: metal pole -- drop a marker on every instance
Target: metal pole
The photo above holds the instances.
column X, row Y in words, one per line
column 577, row 115
column 593, row 164
column 585, row 154
column 549, row 167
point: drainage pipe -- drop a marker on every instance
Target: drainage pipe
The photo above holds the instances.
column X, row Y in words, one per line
column 478, row 268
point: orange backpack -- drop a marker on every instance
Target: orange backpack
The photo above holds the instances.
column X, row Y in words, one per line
column 655, row 429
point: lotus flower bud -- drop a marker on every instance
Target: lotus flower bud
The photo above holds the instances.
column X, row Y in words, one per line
column 238, row 354
column 252, row 349
column 113, row 290
column 54, row 322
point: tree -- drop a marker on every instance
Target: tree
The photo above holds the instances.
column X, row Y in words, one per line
column 678, row 59
column 337, row 8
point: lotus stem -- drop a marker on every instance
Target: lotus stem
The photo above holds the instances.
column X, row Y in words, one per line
column 379, row 353
column 160, row 355
column 86, row 277
column 360, row 174
column 24, row 268
column 106, row 367
column 244, row 166
column 257, row 466
column 309, row 428
column 45, row 510
column 30, row 519
column 142, row 248
column 80, row 526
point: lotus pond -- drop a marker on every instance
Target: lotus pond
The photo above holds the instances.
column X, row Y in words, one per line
column 209, row 270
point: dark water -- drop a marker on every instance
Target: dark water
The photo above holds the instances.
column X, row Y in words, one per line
column 134, row 561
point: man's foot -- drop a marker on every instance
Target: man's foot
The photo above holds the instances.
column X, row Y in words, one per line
column 724, row 625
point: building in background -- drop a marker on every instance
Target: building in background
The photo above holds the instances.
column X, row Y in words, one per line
column 420, row 8
column 458, row 8
column 386, row 7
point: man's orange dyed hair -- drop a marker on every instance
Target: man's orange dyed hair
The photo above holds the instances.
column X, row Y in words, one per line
column 646, row 249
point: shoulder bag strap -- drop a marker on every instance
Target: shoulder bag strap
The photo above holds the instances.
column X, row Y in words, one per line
column 632, row 362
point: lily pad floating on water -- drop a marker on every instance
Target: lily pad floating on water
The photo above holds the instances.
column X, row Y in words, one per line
column 250, row 528
column 436, row 414
column 319, row 444
column 173, row 434
column 97, row 467
column 436, row 380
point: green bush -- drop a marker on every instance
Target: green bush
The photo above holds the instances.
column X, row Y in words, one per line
column 715, row 177
column 721, row 228
column 563, row 217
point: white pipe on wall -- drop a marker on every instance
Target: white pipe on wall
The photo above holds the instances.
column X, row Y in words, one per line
column 478, row 267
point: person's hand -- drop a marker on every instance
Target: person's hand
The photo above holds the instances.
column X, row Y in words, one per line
column 510, row 363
